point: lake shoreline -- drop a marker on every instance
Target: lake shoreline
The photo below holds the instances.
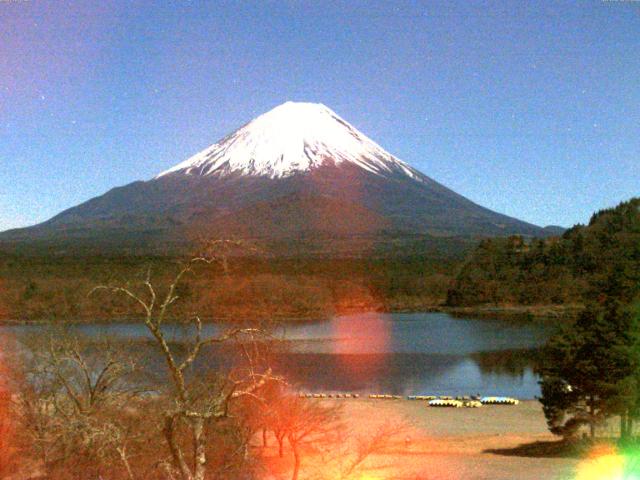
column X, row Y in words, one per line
column 398, row 354
column 543, row 314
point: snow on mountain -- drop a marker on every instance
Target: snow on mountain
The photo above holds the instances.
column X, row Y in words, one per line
column 293, row 137
column 253, row 184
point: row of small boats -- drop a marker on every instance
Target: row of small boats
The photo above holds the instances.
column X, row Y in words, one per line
column 438, row 402
column 329, row 395
column 464, row 401
column 473, row 401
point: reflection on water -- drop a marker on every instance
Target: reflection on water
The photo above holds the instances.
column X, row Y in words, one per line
column 429, row 353
column 404, row 374
column 435, row 333
column 505, row 362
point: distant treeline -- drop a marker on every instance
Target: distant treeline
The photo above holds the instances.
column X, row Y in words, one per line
column 560, row 270
column 57, row 287
column 409, row 276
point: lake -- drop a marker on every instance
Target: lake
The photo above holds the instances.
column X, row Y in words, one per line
column 400, row 354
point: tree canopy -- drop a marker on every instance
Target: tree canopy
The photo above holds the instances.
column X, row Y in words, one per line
column 598, row 259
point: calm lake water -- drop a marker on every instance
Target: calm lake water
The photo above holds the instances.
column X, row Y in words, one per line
column 420, row 353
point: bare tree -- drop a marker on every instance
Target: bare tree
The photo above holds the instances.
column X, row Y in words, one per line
column 315, row 427
column 273, row 413
column 194, row 406
column 353, row 455
column 72, row 402
column 309, row 423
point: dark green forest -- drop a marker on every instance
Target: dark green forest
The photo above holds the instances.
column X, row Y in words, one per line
column 589, row 369
column 566, row 270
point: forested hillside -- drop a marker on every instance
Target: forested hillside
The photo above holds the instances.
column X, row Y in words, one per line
column 582, row 263
column 56, row 288
column 586, row 261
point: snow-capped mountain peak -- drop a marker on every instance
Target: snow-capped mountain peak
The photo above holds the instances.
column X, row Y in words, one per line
column 293, row 137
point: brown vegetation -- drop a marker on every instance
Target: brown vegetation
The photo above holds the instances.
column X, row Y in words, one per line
column 87, row 408
column 55, row 288
column 7, row 446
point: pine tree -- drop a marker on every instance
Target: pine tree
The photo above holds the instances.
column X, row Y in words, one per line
column 589, row 370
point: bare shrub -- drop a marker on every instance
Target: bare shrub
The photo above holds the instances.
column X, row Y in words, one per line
column 77, row 406
column 7, row 428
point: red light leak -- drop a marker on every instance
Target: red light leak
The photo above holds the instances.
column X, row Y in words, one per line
column 6, row 424
column 351, row 338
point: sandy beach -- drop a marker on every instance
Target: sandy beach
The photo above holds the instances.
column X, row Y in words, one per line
column 491, row 442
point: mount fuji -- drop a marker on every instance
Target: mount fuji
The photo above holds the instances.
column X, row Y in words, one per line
column 298, row 173
column 292, row 138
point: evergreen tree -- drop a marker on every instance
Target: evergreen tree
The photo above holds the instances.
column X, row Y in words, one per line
column 589, row 371
column 572, row 269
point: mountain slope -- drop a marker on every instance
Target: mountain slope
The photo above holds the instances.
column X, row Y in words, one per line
column 298, row 171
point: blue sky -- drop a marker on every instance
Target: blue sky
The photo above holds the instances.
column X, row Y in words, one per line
column 529, row 108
